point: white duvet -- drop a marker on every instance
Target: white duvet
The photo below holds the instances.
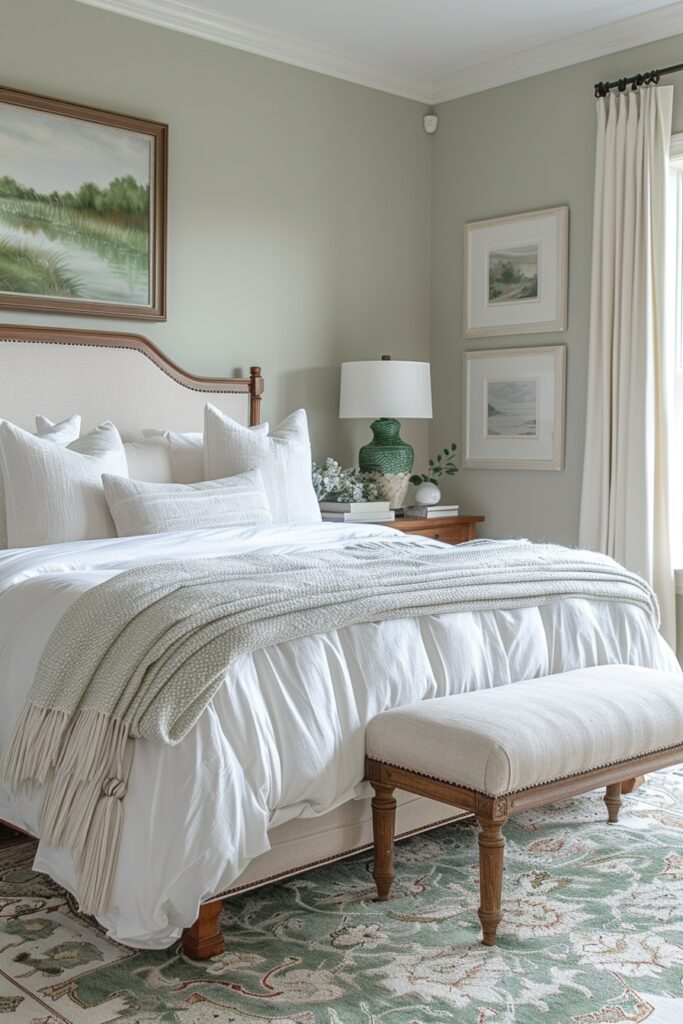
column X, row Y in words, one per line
column 285, row 735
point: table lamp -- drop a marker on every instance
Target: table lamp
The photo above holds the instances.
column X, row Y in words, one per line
column 384, row 390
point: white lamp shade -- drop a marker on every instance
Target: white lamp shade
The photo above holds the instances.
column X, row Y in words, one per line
column 392, row 388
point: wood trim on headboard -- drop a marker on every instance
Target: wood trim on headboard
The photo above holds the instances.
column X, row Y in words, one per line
column 256, row 386
column 252, row 385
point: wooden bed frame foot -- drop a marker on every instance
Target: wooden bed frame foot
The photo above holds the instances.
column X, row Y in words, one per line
column 205, row 939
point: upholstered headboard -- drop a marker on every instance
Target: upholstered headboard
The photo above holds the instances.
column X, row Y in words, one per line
column 105, row 375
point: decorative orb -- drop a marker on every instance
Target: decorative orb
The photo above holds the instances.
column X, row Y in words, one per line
column 427, row 494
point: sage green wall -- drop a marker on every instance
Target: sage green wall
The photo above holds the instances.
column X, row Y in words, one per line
column 299, row 218
column 522, row 147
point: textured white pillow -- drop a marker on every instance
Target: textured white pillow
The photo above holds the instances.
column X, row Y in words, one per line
column 149, row 459
column 59, row 433
column 55, row 494
column 139, row 507
column 187, row 452
column 283, row 456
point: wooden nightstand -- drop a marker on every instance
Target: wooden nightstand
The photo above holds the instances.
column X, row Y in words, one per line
column 450, row 529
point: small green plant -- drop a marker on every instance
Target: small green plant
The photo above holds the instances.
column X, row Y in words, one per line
column 442, row 465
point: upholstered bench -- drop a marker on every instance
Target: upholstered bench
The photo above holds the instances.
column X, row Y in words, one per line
column 500, row 751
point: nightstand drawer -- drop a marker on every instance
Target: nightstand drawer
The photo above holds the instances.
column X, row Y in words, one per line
column 448, row 534
column 450, row 529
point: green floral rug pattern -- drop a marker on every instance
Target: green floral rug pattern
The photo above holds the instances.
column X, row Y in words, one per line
column 593, row 934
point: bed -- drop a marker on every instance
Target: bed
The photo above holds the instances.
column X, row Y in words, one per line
column 269, row 782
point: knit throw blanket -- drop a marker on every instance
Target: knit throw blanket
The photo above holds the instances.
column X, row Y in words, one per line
column 142, row 654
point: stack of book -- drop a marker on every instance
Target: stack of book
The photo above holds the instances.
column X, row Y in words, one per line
column 431, row 511
column 356, row 512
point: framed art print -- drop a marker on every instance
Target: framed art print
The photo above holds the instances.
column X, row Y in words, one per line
column 82, row 209
column 516, row 274
column 514, row 408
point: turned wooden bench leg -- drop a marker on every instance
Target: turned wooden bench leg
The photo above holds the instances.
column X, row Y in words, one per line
column 612, row 800
column 630, row 784
column 491, row 855
column 204, row 938
column 383, row 830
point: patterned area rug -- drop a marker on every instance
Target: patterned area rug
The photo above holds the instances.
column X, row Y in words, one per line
column 593, row 935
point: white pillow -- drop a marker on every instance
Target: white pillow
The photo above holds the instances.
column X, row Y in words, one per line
column 283, row 456
column 55, row 494
column 139, row 507
column 187, row 452
column 59, row 433
column 149, row 459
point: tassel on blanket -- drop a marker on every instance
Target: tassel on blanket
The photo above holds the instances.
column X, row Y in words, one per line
column 67, row 811
column 97, row 864
column 33, row 749
column 84, row 762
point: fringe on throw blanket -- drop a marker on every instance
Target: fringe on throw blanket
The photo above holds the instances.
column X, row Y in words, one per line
column 84, row 764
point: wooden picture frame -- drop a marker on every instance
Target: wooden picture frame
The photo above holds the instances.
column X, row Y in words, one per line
column 84, row 232
column 514, row 408
column 515, row 274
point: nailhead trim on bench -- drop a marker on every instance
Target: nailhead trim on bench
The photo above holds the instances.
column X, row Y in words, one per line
column 538, row 785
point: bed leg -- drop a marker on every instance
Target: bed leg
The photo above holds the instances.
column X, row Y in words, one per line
column 204, row 938
column 630, row 784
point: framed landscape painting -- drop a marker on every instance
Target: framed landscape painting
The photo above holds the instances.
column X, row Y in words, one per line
column 516, row 274
column 82, row 209
column 514, row 408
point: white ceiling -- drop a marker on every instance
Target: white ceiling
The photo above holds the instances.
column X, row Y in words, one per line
column 429, row 50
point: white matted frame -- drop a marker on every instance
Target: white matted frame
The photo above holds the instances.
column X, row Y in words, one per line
column 514, row 403
column 533, row 248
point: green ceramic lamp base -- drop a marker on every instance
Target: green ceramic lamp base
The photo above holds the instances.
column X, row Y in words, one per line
column 386, row 453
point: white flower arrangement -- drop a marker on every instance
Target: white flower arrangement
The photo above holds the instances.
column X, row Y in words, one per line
column 332, row 483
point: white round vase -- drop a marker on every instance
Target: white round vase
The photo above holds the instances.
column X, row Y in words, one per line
column 427, row 494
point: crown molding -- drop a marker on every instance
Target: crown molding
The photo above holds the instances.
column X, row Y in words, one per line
column 243, row 35
column 574, row 49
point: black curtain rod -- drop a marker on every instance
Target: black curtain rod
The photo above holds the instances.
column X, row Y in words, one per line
column 648, row 78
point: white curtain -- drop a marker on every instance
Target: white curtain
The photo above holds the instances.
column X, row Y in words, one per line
column 625, row 494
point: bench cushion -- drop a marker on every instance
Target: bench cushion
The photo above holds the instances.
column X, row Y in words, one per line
column 501, row 740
